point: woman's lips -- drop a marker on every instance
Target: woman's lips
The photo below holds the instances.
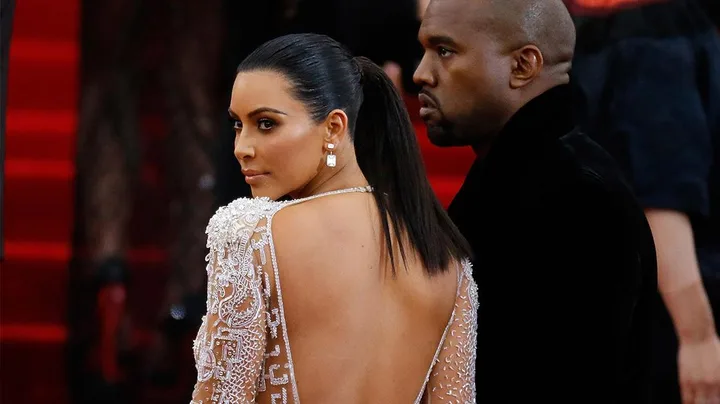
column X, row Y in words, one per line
column 253, row 177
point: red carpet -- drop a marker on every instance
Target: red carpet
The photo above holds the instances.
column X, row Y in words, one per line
column 41, row 129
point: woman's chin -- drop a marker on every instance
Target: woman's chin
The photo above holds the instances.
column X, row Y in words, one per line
column 257, row 193
column 264, row 192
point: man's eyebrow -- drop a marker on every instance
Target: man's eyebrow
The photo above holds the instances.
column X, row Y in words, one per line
column 436, row 40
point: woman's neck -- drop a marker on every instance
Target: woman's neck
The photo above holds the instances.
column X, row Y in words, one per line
column 342, row 177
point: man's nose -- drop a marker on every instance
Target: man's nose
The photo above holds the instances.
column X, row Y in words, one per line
column 423, row 74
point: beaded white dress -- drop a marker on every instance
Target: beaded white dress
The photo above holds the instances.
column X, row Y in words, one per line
column 242, row 348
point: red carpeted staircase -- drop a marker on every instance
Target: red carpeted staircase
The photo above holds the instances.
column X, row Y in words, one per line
column 38, row 207
column 41, row 120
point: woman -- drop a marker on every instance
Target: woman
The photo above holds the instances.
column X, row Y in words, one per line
column 377, row 302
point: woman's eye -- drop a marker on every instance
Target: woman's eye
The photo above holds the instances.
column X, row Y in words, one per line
column 237, row 125
column 265, row 124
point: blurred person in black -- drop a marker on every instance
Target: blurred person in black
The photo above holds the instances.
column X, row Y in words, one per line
column 650, row 72
column 565, row 260
column 131, row 50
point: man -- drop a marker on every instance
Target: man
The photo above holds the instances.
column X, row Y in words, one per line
column 564, row 257
column 651, row 75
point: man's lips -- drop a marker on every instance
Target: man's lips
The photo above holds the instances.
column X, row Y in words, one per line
column 426, row 101
column 428, row 108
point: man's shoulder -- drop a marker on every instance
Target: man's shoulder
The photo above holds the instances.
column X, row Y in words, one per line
column 573, row 172
column 580, row 178
column 582, row 161
column 590, row 182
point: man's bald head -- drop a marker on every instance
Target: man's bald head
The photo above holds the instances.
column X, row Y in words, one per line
column 484, row 59
column 544, row 23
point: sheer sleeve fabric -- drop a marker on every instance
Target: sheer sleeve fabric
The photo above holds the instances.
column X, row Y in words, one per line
column 452, row 379
column 230, row 345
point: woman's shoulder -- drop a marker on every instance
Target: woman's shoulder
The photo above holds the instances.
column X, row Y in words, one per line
column 239, row 218
column 234, row 221
column 467, row 278
column 466, row 268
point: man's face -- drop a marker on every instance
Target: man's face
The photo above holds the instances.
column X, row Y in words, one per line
column 463, row 74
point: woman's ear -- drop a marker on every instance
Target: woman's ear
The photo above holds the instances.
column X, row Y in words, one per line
column 336, row 126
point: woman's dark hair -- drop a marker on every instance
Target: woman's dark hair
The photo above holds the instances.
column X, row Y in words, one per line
column 325, row 77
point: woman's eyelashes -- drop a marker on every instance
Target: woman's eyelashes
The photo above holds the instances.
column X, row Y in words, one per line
column 263, row 124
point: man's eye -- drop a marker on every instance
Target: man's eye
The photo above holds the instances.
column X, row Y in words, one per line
column 265, row 124
column 444, row 52
column 237, row 125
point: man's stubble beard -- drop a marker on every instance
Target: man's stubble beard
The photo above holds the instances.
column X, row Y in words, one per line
column 449, row 134
column 441, row 135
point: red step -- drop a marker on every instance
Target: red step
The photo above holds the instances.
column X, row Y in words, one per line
column 32, row 333
column 60, row 252
column 34, row 293
column 36, row 208
column 32, row 147
column 39, row 81
column 55, row 123
column 45, row 20
column 33, row 373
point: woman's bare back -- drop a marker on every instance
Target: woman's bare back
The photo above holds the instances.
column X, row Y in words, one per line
column 358, row 334
column 340, row 327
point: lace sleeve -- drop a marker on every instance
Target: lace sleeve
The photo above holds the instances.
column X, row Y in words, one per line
column 453, row 377
column 231, row 341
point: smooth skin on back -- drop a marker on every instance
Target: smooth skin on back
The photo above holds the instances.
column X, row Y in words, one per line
column 356, row 334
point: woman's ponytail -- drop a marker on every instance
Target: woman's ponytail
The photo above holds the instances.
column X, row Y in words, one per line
column 389, row 156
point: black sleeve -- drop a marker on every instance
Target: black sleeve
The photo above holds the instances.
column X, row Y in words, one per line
column 658, row 121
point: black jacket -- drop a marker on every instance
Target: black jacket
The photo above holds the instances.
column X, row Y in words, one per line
column 565, row 263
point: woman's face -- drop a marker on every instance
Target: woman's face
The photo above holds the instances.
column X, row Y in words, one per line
column 279, row 147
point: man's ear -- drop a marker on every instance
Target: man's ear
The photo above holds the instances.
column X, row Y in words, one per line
column 527, row 64
column 336, row 126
